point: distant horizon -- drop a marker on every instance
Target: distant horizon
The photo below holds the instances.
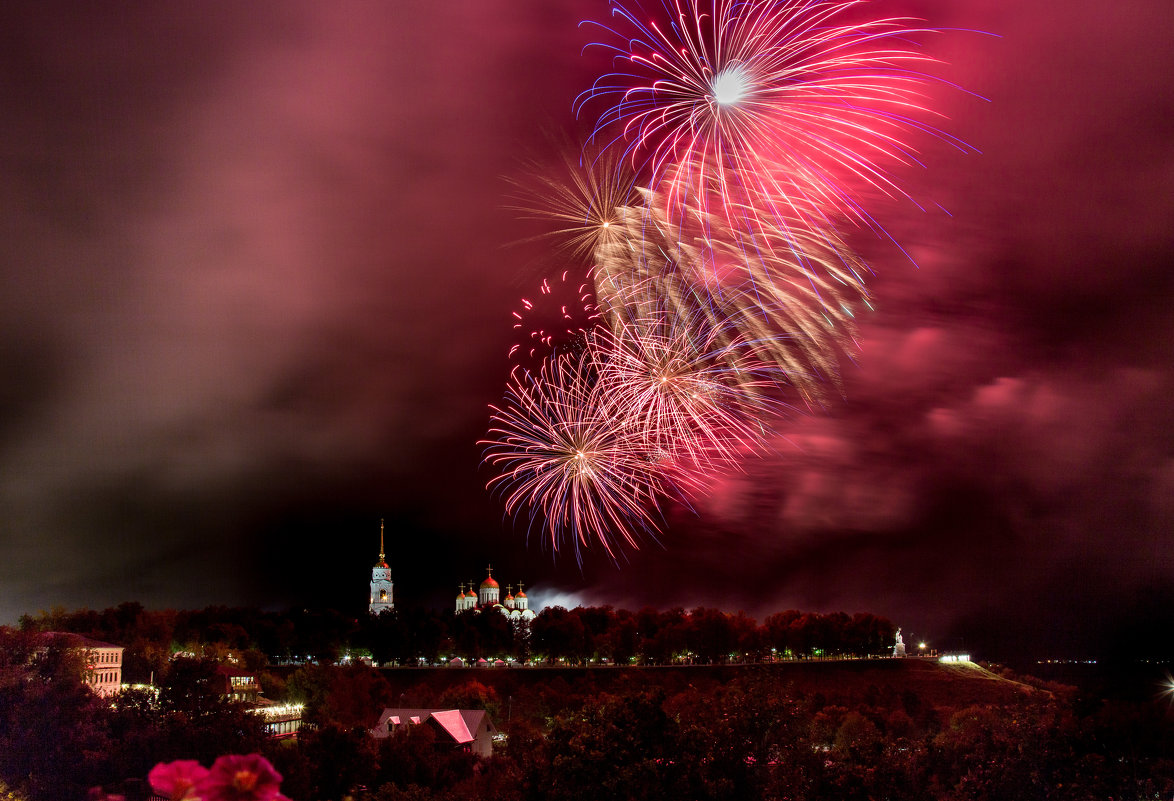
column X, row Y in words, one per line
column 979, row 652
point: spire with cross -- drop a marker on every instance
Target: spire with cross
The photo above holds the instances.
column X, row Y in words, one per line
column 381, row 585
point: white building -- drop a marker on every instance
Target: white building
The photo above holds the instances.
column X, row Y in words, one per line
column 381, row 587
column 515, row 607
column 103, row 671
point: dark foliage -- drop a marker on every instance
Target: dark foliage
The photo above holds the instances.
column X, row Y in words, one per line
column 584, row 635
column 706, row 733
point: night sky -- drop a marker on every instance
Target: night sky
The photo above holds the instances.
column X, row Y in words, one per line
column 258, row 266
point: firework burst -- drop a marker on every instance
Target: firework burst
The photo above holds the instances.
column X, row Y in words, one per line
column 793, row 295
column 694, row 392
column 571, row 462
column 585, row 201
column 779, row 106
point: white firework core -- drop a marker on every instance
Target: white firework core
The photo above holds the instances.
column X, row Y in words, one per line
column 730, row 86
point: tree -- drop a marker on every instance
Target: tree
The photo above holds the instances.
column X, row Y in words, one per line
column 709, row 635
column 416, row 756
column 197, row 721
column 671, row 637
column 778, row 631
column 135, row 725
column 615, row 748
column 384, row 636
column 340, row 758
column 49, row 719
column 482, row 635
column 472, row 695
column 309, row 685
column 557, row 634
column 355, row 697
column 192, row 687
column 622, row 641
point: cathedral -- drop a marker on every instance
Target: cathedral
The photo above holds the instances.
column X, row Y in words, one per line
column 515, row 607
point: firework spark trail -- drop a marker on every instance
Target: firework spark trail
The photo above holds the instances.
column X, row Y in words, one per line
column 583, row 199
column 792, row 295
column 783, row 103
column 571, row 460
column 694, row 392
column 556, row 319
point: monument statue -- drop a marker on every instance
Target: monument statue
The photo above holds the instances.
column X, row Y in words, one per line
column 899, row 648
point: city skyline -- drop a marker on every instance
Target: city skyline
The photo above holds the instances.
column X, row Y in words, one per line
column 261, row 263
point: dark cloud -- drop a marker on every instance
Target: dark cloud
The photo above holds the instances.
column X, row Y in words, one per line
column 258, row 273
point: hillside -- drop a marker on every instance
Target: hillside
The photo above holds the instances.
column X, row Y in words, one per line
column 949, row 686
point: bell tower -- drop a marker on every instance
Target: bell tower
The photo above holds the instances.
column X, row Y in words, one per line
column 381, row 586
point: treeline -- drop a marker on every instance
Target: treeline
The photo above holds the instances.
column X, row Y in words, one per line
column 583, row 635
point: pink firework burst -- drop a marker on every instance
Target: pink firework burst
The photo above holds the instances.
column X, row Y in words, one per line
column 571, row 461
column 784, row 107
column 697, row 393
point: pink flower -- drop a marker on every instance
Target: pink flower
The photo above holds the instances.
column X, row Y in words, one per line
column 241, row 778
column 177, row 780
